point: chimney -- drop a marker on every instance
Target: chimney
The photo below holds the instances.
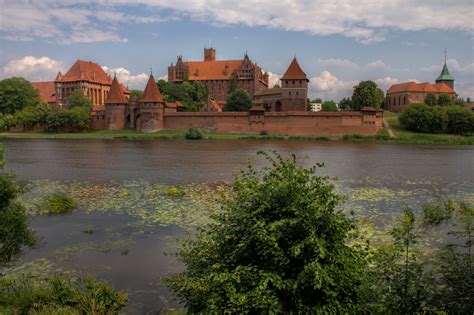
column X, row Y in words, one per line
column 209, row 54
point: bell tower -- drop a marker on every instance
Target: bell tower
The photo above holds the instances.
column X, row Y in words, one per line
column 209, row 54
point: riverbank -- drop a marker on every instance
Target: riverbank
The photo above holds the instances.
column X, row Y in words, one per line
column 393, row 133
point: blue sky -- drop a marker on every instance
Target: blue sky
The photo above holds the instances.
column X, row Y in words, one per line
column 337, row 42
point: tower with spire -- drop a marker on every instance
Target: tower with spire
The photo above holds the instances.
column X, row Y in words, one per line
column 294, row 84
column 444, row 76
column 115, row 107
column 151, row 108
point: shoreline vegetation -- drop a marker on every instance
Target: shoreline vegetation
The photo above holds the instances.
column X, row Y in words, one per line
column 396, row 135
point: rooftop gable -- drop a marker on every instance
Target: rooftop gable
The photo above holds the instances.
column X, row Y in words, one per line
column 151, row 94
column 85, row 71
column 294, row 72
column 116, row 95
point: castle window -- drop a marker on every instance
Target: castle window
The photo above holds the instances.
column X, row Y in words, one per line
column 289, row 93
column 293, row 81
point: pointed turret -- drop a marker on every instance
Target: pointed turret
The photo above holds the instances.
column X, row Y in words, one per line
column 294, row 72
column 59, row 76
column 116, row 95
column 445, row 77
column 151, row 94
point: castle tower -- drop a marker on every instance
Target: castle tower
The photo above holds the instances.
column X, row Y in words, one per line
column 209, row 54
column 151, row 108
column 115, row 106
column 294, row 84
column 444, row 76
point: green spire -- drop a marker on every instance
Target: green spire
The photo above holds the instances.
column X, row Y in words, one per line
column 445, row 76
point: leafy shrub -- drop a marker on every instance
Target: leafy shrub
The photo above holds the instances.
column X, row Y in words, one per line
column 57, row 203
column 32, row 115
column 74, row 119
column 279, row 245
column 416, row 117
column 439, row 120
column 59, row 295
column 329, row 106
column 6, row 121
column 445, row 99
column 193, row 133
column 460, row 120
column 14, row 229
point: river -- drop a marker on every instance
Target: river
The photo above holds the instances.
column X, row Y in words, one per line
column 128, row 247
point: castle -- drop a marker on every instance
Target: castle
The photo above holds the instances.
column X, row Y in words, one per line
column 402, row 94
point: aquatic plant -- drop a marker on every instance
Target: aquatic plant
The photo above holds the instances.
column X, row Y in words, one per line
column 88, row 230
column 174, row 191
column 59, row 294
column 436, row 213
column 58, row 202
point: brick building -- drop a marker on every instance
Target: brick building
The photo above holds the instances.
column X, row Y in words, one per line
column 291, row 96
column 402, row 94
column 216, row 75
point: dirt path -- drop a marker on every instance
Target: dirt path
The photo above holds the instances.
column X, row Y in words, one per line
column 391, row 133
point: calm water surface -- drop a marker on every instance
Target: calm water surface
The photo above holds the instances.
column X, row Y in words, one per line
column 430, row 169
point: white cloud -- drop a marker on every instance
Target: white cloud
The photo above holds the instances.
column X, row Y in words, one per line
column 124, row 76
column 273, row 79
column 328, row 87
column 32, row 68
column 385, row 83
column 367, row 21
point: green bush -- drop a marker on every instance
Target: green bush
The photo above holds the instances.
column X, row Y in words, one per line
column 416, row 117
column 57, row 202
column 193, row 133
column 279, row 245
column 74, row 119
column 460, row 120
column 14, row 229
column 174, row 191
column 59, row 295
column 32, row 115
column 434, row 213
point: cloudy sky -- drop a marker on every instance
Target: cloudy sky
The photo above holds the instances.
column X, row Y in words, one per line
column 337, row 42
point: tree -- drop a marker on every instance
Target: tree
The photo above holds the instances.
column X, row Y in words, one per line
column 136, row 94
column 416, row 117
column 366, row 93
column 468, row 100
column 78, row 99
column 317, row 100
column 32, row 115
column 233, row 83
column 14, row 229
column 444, row 99
column 329, row 106
column 431, row 99
column 238, row 101
column 16, row 94
column 345, row 104
column 460, row 102
column 460, row 120
column 278, row 245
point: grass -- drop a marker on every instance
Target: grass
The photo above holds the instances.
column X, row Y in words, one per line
column 58, row 294
column 403, row 136
column 56, row 203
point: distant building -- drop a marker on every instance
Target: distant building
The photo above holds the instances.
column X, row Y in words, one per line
column 316, row 107
column 86, row 76
column 291, row 96
column 216, row 75
column 400, row 95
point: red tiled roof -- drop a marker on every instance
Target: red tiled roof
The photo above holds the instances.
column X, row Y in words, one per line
column 86, row 71
column 443, row 88
column 212, row 70
column 420, row 87
column 115, row 95
column 124, row 89
column 176, row 104
column 46, row 90
column 151, row 94
column 294, row 72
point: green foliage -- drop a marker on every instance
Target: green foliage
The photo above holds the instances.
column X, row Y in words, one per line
column 434, row 213
column 233, row 83
column 74, row 119
column 78, row 99
column 58, row 202
column 445, row 99
column 329, row 106
column 238, row 101
column 174, row 191
column 431, row 99
column 14, row 229
column 459, row 102
column 88, row 230
column 345, row 104
column 437, row 119
column 317, row 100
column 366, row 93
column 263, row 133
column 16, row 94
column 460, row 120
column 191, row 94
column 278, row 245
column 193, row 133
column 32, row 115
column 59, row 295
column 6, row 121
column 135, row 95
